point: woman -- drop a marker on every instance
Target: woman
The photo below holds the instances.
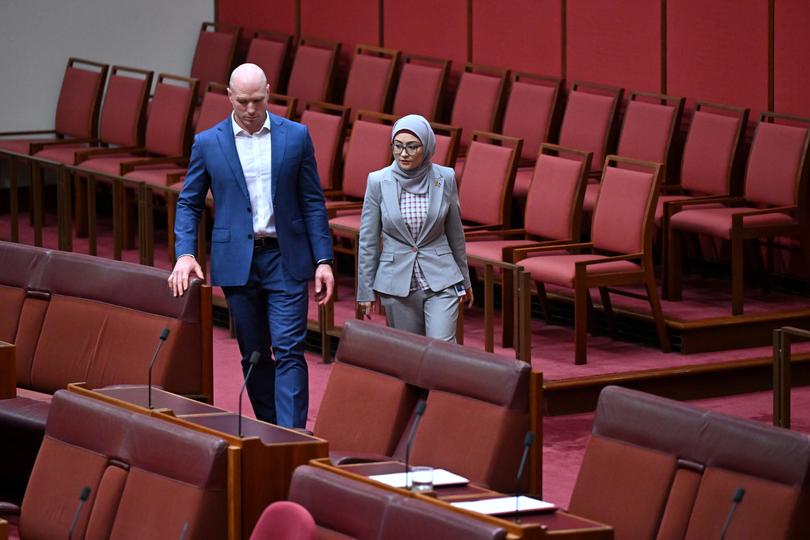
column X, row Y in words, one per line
column 420, row 268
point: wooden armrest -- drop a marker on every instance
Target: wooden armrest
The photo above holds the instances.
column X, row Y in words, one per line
column 95, row 152
column 503, row 233
column 8, row 370
column 472, row 228
column 19, row 133
column 613, row 258
column 518, row 254
column 130, row 166
column 724, row 199
column 737, row 220
column 38, row 147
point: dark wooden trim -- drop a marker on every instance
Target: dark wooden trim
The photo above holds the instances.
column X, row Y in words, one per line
column 663, row 46
column 381, row 23
column 771, row 53
column 469, row 30
column 563, row 39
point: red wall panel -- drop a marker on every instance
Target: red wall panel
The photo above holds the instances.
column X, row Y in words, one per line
column 351, row 22
column 524, row 35
column 617, row 43
column 432, row 27
column 791, row 56
column 718, row 51
column 252, row 15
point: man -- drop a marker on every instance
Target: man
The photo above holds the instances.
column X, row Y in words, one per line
column 270, row 236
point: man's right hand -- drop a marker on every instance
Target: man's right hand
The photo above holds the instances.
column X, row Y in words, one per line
column 178, row 279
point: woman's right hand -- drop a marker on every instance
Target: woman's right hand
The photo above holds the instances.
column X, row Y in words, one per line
column 364, row 310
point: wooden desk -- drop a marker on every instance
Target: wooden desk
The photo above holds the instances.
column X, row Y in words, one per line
column 260, row 463
column 529, row 526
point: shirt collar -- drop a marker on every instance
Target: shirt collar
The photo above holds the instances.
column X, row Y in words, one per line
column 237, row 129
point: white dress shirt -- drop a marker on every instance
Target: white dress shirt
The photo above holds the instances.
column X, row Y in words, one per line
column 255, row 156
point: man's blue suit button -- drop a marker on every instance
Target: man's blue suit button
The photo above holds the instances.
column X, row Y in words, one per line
column 248, row 210
column 250, row 237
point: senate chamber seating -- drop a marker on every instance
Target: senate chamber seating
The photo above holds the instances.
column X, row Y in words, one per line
column 657, row 468
column 345, row 508
column 74, row 318
column 479, row 405
column 147, row 478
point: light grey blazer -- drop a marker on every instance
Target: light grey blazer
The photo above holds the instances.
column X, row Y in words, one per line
column 387, row 266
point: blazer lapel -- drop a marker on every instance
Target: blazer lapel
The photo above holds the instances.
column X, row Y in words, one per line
column 390, row 196
column 227, row 143
column 278, row 142
column 436, row 194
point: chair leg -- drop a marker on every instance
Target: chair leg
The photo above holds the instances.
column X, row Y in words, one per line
column 507, row 308
column 489, row 308
column 581, row 298
column 674, row 265
column 543, row 297
column 81, row 203
column 658, row 314
column 608, row 309
column 91, row 216
column 737, row 277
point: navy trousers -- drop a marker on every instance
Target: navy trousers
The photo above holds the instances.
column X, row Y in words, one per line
column 270, row 316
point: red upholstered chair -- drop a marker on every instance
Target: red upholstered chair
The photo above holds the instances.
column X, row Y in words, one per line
column 214, row 109
column 144, row 475
column 214, row 56
column 709, row 156
column 77, row 109
column 285, row 520
column 621, row 248
column 553, row 216
column 477, row 106
column 312, row 70
column 270, row 51
column 327, row 125
column 371, row 79
column 531, row 111
column 773, row 204
column 369, row 149
column 447, row 144
column 122, row 125
column 281, row 105
column 167, row 142
column 650, row 121
column 421, row 86
column 677, row 481
column 589, row 119
column 485, row 190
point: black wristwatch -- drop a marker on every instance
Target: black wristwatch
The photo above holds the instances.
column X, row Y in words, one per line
column 330, row 262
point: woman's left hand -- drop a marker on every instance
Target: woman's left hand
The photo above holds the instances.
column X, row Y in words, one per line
column 468, row 298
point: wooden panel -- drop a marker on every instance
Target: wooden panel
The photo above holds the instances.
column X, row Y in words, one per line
column 791, row 53
column 251, row 15
column 524, row 35
column 718, row 51
column 616, row 43
column 427, row 27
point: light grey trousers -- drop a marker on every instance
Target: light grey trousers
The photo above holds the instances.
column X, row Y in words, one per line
column 432, row 314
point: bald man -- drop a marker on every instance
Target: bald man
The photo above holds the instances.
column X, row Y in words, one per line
column 270, row 237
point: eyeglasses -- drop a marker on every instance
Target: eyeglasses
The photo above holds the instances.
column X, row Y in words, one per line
column 410, row 148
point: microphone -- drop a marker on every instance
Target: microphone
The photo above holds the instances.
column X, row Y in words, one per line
column 528, row 441
column 420, row 410
column 85, row 494
column 184, row 531
column 735, row 500
column 254, row 359
column 163, row 335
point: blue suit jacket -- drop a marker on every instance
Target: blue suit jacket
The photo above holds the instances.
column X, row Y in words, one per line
column 300, row 214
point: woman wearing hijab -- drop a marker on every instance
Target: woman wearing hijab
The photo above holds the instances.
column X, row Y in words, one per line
column 419, row 270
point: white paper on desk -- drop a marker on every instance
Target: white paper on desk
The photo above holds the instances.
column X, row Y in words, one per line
column 506, row 505
column 441, row 477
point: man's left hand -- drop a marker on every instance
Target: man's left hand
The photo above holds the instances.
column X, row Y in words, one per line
column 324, row 284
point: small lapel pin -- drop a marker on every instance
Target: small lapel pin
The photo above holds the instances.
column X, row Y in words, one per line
column 436, row 183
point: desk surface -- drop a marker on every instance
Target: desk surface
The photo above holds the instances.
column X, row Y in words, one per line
column 549, row 523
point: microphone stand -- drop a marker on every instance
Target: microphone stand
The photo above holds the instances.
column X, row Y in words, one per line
column 527, row 444
column 254, row 359
column 163, row 335
column 420, row 410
